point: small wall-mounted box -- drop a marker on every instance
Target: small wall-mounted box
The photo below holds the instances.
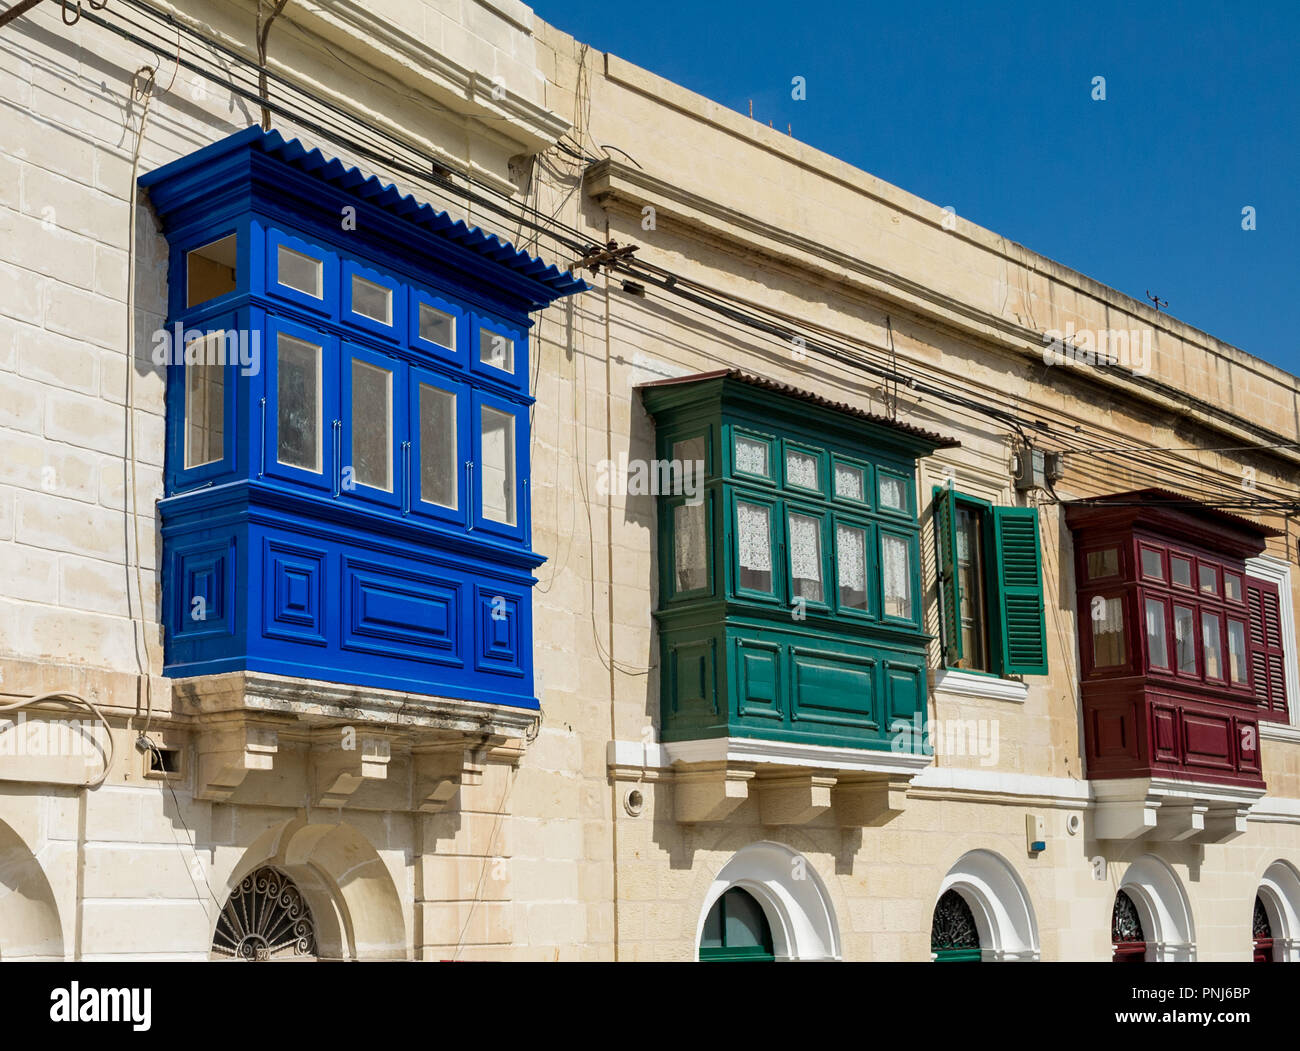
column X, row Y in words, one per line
column 1035, row 833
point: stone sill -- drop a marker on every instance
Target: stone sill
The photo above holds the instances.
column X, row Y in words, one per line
column 954, row 684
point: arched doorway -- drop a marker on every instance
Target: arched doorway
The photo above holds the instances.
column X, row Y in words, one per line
column 346, row 893
column 29, row 918
column 1261, row 932
column 983, row 912
column 793, row 902
column 265, row 918
column 1127, row 937
column 954, row 938
column 736, row 929
column 1151, row 909
column 1277, row 914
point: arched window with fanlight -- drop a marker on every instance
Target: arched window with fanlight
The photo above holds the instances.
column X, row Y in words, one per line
column 954, row 938
column 265, row 918
column 1126, row 931
column 736, row 929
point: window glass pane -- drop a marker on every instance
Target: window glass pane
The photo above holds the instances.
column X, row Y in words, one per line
column 893, row 493
column 754, row 546
column 299, row 271
column 805, row 557
column 1151, row 565
column 1211, row 646
column 298, row 396
column 496, row 350
column 1185, row 639
column 1180, row 569
column 851, row 561
column 498, row 466
column 372, row 300
column 1237, row 651
column 751, row 455
column 688, row 467
column 896, row 576
column 1209, row 579
column 1103, row 563
column 437, row 446
column 1157, row 646
column 690, row 547
column 1232, row 586
column 800, row 469
column 210, row 271
column 849, row 482
column 205, row 403
column 1108, row 648
column 372, row 425
column 437, row 326
column 970, row 574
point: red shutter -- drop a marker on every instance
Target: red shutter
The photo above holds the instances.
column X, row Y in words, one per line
column 1264, row 648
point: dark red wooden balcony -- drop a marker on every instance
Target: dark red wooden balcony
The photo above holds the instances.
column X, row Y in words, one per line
column 1175, row 671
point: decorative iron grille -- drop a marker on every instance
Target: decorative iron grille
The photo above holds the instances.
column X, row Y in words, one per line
column 1125, row 924
column 266, row 918
column 953, row 926
column 1260, row 927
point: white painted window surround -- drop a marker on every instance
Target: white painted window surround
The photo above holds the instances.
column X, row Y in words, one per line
column 1277, row 571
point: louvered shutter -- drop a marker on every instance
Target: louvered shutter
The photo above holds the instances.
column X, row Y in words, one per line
column 945, row 534
column 1264, row 647
column 1018, row 575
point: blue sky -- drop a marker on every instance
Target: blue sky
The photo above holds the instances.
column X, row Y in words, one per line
column 989, row 110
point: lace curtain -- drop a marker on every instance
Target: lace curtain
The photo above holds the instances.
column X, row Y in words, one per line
column 801, row 470
column 753, row 537
column 896, row 576
column 690, row 544
column 851, row 549
column 1107, row 632
column 751, row 456
column 892, row 493
column 848, row 482
column 1156, row 648
column 805, row 548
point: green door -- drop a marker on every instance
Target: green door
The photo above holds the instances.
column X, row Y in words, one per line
column 736, row 929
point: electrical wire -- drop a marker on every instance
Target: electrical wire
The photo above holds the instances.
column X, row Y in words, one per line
column 64, row 695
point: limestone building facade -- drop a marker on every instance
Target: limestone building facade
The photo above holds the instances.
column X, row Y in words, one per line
column 826, row 578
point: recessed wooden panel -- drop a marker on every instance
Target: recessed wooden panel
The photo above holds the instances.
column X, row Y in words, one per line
column 294, row 577
column 201, row 606
column 1164, row 733
column 758, row 668
column 691, row 676
column 412, row 615
column 497, row 642
column 832, row 687
column 905, row 690
column 1207, row 740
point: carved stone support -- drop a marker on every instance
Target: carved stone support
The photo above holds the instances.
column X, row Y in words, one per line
column 338, row 771
column 710, row 791
column 227, row 754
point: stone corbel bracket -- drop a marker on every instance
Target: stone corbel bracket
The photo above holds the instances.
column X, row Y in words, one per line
column 793, row 784
column 443, row 768
column 337, row 771
column 1171, row 811
column 228, row 753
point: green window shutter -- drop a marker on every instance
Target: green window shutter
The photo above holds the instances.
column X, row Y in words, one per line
column 945, row 533
column 1017, row 580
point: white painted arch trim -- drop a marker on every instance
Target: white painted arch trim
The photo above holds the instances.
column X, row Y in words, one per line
column 791, row 894
column 1004, row 915
column 1279, row 890
column 1162, row 905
